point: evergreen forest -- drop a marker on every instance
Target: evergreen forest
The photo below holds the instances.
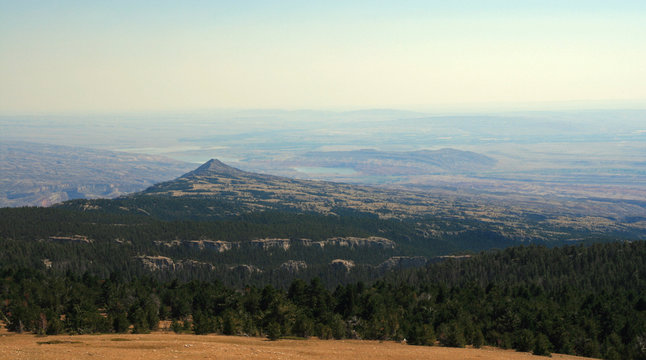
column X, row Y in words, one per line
column 584, row 300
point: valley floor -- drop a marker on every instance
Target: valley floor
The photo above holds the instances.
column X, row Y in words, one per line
column 161, row 346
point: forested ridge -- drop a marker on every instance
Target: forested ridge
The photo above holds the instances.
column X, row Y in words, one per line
column 116, row 240
column 585, row 300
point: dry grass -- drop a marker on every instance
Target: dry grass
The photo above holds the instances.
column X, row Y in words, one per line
column 161, row 346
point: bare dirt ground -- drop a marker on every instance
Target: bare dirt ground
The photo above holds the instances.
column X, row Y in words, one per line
column 161, row 346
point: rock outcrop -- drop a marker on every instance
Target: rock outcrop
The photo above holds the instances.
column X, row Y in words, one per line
column 342, row 265
column 217, row 245
column 163, row 263
column 267, row 244
column 353, row 242
column 293, row 266
column 157, row 263
column 285, row 244
column 73, row 238
column 245, row 269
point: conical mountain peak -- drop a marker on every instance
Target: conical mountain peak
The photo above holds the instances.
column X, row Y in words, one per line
column 214, row 167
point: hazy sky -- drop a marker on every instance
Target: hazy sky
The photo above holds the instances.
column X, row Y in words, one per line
column 106, row 56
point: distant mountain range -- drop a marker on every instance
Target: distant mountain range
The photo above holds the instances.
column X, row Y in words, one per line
column 42, row 174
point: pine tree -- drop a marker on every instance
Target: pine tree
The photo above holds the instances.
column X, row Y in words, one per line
column 541, row 346
column 273, row 331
